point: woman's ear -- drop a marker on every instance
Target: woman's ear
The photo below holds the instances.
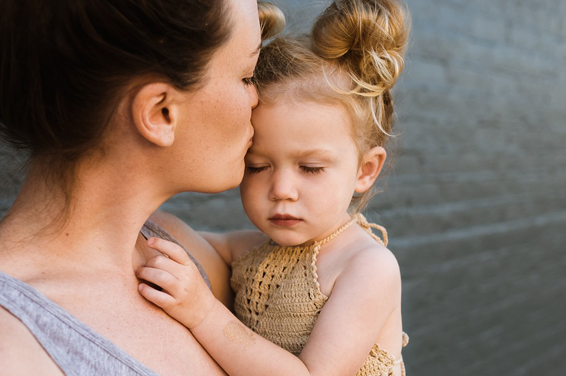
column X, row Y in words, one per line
column 372, row 163
column 155, row 113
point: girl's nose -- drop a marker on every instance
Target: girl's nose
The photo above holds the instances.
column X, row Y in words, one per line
column 283, row 187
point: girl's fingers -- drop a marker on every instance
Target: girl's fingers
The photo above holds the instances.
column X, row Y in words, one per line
column 158, row 277
column 182, row 273
column 158, row 298
column 166, row 264
column 172, row 250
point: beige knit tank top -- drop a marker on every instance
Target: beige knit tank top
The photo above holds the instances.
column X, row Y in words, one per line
column 278, row 296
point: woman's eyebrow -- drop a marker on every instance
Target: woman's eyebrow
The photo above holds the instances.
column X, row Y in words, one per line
column 256, row 51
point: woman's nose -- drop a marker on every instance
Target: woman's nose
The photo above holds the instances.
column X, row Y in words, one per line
column 283, row 187
column 252, row 92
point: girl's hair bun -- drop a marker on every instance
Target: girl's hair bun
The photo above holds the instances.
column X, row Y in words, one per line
column 367, row 37
column 271, row 18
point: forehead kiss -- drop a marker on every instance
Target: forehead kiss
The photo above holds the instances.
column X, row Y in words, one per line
column 305, row 129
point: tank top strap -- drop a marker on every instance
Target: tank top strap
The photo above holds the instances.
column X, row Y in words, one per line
column 74, row 347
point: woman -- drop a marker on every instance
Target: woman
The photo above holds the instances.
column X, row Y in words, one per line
column 122, row 104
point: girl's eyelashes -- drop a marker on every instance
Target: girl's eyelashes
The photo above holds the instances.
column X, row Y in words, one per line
column 255, row 170
column 312, row 170
column 248, row 81
column 307, row 169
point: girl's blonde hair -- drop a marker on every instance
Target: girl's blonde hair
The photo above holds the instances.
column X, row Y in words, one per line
column 271, row 19
column 353, row 57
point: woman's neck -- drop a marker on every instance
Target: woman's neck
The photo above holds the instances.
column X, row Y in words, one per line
column 100, row 223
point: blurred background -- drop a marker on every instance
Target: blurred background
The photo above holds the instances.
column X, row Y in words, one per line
column 475, row 205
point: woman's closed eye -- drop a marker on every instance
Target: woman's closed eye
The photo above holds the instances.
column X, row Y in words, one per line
column 248, row 81
column 312, row 170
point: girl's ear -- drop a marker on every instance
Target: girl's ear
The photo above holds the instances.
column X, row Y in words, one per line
column 372, row 163
column 155, row 113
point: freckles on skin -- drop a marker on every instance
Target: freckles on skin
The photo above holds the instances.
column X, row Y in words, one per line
column 236, row 332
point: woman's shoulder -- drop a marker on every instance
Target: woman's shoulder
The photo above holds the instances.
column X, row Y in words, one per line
column 182, row 233
column 171, row 224
column 20, row 353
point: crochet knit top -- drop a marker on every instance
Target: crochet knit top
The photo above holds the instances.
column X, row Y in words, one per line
column 278, row 296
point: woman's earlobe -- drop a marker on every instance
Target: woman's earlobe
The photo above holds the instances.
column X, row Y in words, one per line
column 372, row 163
column 155, row 113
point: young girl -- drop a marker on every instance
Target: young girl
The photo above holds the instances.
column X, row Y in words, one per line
column 318, row 292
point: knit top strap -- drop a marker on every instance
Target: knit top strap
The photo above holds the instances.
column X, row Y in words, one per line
column 362, row 222
column 335, row 233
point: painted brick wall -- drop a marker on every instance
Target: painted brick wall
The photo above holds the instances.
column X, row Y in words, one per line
column 476, row 203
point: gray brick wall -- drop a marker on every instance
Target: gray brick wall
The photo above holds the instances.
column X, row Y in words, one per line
column 476, row 203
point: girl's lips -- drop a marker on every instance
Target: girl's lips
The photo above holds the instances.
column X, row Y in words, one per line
column 284, row 220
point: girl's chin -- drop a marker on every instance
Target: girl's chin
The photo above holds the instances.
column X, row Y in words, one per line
column 291, row 242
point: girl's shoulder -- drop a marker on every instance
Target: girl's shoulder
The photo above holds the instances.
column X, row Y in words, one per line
column 357, row 261
column 250, row 240
column 235, row 244
column 374, row 261
column 371, row 256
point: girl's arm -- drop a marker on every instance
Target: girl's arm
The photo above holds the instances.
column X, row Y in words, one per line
column 231, row 245
column 215, row 252
column 364, row 296
column 217, row 270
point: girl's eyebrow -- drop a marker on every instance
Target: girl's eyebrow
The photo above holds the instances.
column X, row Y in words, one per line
column 307, row 153
column 321, row 153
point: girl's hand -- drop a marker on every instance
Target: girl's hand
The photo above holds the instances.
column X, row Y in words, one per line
column 184, row 295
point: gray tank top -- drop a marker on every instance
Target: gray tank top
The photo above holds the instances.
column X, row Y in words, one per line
column 74, row 347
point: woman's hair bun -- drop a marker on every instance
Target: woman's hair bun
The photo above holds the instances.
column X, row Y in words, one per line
column 367, row 37
column 271, row 19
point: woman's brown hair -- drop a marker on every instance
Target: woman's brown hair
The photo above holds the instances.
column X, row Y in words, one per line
column 65, row 64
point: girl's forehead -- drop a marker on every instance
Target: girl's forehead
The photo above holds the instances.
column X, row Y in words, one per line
column 301, row 129
column 324, row 86
column 299, row 116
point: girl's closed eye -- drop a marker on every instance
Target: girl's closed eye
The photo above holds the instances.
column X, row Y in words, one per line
column 248, row 81
column 312, row 170
column 255, row 169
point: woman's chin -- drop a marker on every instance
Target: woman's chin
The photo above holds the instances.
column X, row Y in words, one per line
column 227, row 184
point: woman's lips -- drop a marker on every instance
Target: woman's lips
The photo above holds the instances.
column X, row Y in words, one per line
column 284, row 220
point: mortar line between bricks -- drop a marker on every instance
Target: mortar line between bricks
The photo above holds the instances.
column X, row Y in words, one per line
column 479, row 231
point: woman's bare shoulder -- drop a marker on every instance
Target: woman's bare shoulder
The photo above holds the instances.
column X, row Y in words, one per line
column 20, row 353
